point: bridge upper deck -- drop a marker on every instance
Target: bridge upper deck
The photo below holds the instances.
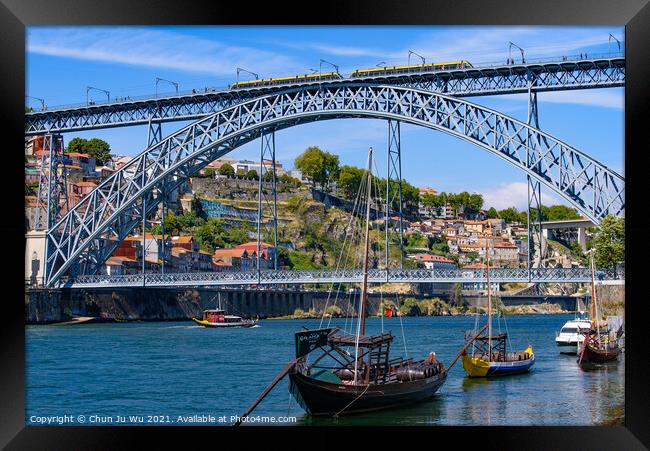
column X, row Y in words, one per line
column 548, row 75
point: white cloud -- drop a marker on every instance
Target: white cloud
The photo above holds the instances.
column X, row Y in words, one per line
column 154, row 48
column 515, row 195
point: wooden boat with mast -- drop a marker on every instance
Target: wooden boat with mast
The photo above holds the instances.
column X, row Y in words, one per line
column 366, row 379
column 217, row 318
column 599, row 345
column 489, row 356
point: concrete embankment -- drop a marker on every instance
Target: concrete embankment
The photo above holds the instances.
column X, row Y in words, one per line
column 158, row 304
column 153, row 304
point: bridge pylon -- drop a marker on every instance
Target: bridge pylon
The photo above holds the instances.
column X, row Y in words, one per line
column 394, row 171
column 52, row 187
column 534, row 190
column 267, row 200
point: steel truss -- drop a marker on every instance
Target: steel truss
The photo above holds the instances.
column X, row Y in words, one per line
column 266, row 200
column 394, row 171
column 500, row 275
column 52, row 194
column 93, row 228
column 504, row 79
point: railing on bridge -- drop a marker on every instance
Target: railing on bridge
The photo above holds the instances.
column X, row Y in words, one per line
column 539, row 75
column 118, row 100
column 324, row 276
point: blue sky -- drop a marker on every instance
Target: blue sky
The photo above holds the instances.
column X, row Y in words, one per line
column 63, row 61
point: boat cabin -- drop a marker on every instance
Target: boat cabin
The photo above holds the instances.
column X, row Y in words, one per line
column 214, row 316
column 336, row 364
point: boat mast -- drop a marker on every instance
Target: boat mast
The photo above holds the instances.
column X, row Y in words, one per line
column 364, row 287
column 487, row 262
column 594, row 309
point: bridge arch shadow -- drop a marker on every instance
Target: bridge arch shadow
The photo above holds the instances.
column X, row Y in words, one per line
column 88, row 234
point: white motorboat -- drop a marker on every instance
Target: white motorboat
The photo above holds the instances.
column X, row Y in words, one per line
column 571, row 335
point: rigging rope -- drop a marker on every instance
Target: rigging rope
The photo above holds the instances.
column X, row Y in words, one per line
column 352, row 217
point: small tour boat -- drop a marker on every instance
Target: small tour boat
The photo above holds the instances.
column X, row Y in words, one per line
column 489, row 356
column 218, row 318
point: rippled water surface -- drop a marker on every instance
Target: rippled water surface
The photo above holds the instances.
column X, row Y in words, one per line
column 179, row 369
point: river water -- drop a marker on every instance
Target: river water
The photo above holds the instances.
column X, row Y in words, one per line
column 157, row 373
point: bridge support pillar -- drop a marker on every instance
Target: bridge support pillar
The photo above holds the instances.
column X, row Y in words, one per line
column 52, row 187
column 534, row 190
column 270, row 200
column 394, row 172
column 582, row 238
column 35, row 242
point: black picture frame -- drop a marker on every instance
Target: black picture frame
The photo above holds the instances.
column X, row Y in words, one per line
column 15, row 15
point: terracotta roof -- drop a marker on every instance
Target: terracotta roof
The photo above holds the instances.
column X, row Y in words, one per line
column 119, row 260
column 253, row 245
column 432, row 258
column 182, row 239
column 230, row 253
column 77, row 154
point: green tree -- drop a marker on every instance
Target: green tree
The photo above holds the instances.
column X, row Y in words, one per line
column 456, row 297
column 95, row 147
column 349, row 181
column 562, row 212
column 492, row 213
column 410, row 307
column 252, row 174
column 474, row 204
column 76, row 145
column 319, row 166
column 509, row 215
column 227, row 170
column 609, row 242
column 240, row 173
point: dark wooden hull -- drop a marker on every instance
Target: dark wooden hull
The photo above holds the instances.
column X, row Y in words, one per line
column 321, row 398
column 589, row 354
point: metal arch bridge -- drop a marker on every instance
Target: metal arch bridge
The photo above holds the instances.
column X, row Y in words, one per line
column 505, row 79
column 279, row 277
column 84, row 238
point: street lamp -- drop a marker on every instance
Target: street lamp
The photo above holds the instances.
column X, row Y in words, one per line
column 239, row 69
column 158, row 80
column 381, row 64
column 512, row 44
column 609, row 43
column 89, row 88
column 411, row 52
column 320, row 67
column 39, row 99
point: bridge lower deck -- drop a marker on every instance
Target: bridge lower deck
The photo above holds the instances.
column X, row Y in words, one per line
column 289, row 277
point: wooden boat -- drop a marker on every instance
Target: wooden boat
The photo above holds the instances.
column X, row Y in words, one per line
column 598, row 349
column 340, row 382
column 489, row 356
column 371, row 382
column 218, row 318
column 599, row 345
